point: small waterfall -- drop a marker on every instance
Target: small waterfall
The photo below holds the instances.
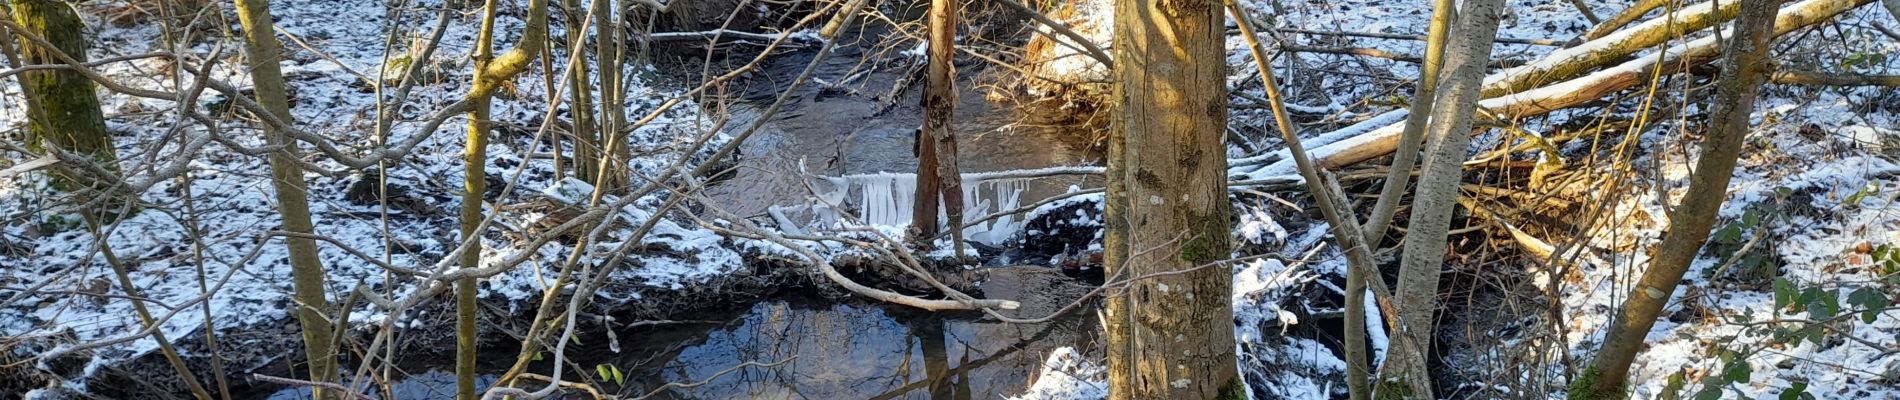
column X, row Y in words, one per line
column 887, row 199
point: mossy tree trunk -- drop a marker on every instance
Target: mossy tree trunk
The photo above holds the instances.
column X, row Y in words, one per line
column 64, row 110
column 474, row 183
column 490, row 75
column 307, row 274
column 1745, row 67
column 1171, row 336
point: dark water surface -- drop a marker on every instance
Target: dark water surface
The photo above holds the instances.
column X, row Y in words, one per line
column 811, row 350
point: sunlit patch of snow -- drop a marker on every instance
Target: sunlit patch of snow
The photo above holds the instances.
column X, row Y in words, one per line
column 1067, row 375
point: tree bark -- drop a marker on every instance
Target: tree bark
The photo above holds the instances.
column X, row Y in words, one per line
column 1171, row 337
column 307, row 274
column 1571, row 62
column 1434, row 200
column 1631, row 14
column 1414, row 134
column 490, row 73
column 63, row 111
column 939, row 102
column 613, row 114
column 581, row 97
column 1742, row 77
column 474, row 183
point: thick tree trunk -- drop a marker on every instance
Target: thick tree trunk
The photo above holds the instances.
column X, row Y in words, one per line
column 64, row 111
column 1745, row 69
column 307, row 274
column 1171, row 337
column 1448, row 136
column 939, row 100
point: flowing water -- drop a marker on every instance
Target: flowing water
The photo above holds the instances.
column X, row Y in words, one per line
column 813, row 349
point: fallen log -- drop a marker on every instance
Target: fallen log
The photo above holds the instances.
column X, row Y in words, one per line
column 1367, row 143
column 1575, row 61
column 1811, row 78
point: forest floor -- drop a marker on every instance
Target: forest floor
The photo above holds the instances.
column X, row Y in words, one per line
column 1817, row 193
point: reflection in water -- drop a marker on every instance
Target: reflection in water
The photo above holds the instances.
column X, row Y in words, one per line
column 433, row 384
column 824, row 351
column 860, row 352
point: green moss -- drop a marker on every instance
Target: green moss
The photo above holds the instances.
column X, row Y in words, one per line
column 1210, row 242
column 1584, row 388
column 1198, row 250
column 1392, row 389
column 1233, row 390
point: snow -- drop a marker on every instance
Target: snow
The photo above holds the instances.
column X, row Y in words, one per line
column 236, row 205
column 1067, row 375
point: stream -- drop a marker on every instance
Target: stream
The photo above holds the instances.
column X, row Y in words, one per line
column 806, row 348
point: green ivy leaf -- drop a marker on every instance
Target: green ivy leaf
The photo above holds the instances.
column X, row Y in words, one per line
column 1729, row 234
column 1673, row 389
column 1871, row 300
column 1738, row 371
column 1710, row 393
column 1795, row 391
column 1785, row 293
column 1821, row 304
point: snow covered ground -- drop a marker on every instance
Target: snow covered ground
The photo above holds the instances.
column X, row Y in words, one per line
column 234, row 206
column 1824, row 156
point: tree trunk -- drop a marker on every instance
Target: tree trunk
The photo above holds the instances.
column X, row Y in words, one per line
column 1345, row 227
column 474, row 183
column 1435, row 198
column 307, row 274
column 64, row 111
column 613, row 115
column 1414, row 134
column 581, row 97
column 1746, row 67
column 489, row 76
column 1173, row 336
column 940, row 100
column 923, row 212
